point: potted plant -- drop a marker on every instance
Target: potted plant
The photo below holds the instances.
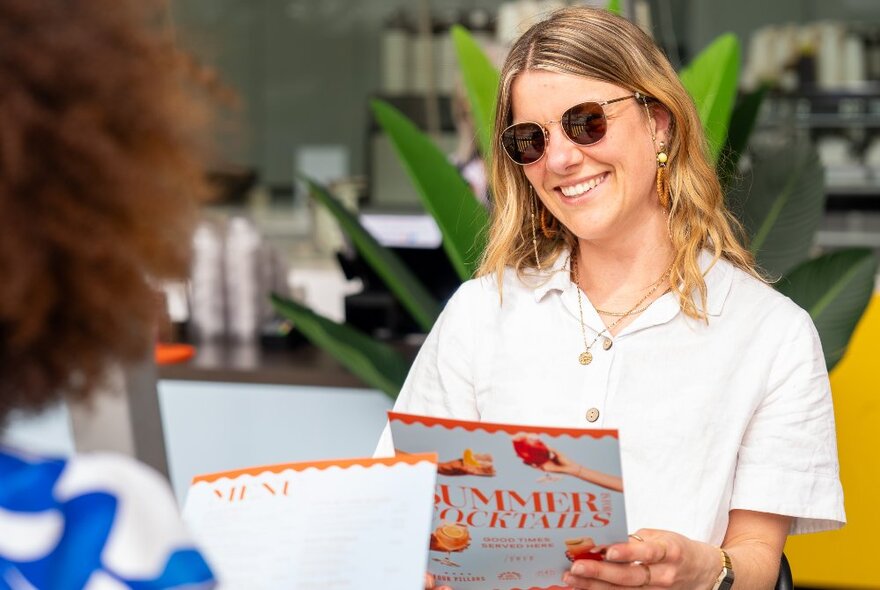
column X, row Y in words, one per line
column 779, row 199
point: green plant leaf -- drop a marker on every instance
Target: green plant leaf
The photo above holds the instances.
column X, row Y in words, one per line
column 447, row 197
column 780, row 201
column 711, row 81
column 835, row 289
column 396, row 276
column 481, row 83
column 742, row 123
column 613, row 6
column 376, row 363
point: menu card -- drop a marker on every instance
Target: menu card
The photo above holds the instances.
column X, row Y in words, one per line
column 515, row 505
column 339, row 525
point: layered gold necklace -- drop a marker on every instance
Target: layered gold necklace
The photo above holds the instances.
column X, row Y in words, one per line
column 586, row 357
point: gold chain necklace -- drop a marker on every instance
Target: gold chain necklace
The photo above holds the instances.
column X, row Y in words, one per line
column 586, row 357
column 654, row 287
column 622, row 314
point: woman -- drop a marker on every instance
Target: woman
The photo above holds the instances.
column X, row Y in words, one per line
column 99, row 170
column 614, row 293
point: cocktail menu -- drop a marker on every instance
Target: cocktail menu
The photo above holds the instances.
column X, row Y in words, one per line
column 514, row 506
column 349, row 524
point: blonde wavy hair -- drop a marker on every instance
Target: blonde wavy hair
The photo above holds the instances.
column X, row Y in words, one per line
column 603, row 46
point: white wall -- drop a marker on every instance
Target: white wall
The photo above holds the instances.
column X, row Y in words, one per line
column 213, row 427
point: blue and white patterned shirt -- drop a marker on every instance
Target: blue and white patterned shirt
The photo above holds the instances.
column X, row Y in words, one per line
column 92, row 522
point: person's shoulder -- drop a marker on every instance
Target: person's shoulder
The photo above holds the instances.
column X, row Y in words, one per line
column 27, row 479
column 140, row 495
column 512, row 284
column 485, row 297
column 124, row 502
column 110, row 472
column 758, row 298
column 149, row 539
column 66, row 477
column 15, row 460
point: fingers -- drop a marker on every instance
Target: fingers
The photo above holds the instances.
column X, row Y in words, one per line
column 643, row 561
column 430, row 584
column 644, row 546
column 597, row 575
column 647, row 552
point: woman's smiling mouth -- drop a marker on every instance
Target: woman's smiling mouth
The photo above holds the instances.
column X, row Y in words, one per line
column 576, row 190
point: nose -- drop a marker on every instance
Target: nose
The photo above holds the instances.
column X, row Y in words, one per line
column 562, row 153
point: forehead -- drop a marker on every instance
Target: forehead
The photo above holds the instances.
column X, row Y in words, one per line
column 539, row 95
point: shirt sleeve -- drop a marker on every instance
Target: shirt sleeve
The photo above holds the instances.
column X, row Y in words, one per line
column 787, row 462
column 441, row 381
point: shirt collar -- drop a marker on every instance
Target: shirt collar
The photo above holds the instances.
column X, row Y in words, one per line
column 555, row 278
column 718, row 275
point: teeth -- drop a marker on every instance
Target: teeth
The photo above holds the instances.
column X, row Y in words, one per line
column 579, row 189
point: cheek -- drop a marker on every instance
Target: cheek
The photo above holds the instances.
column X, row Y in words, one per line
column 637, row 167
column 534, row 174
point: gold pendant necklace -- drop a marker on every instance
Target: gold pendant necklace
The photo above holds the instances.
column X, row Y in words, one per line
column 586, row 357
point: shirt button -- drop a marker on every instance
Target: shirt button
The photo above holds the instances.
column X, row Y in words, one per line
column 592, row 415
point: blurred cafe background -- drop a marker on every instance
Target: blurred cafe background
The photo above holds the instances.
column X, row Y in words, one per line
column 237, row 385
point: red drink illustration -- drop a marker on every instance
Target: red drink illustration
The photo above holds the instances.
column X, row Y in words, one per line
column 579, row 548
column 534, row 452
column 531, row 450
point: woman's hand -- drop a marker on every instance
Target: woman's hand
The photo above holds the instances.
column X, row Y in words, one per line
column 562, row 464
column 430, row 584
column 650, row 559
column 559, row 464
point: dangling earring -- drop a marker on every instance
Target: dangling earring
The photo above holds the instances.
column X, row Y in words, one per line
column 533, row 206
column 662, row 176
column 662, row 159
column 548, row 229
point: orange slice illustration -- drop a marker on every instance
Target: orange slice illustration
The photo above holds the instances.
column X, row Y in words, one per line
column 452, row 537
column 468, row 458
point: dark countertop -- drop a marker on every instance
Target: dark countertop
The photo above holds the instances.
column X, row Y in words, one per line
column 303, row 364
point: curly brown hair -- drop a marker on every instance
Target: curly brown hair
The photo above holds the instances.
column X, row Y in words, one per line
column 101, row 168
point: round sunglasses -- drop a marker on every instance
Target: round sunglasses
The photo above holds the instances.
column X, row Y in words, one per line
column 584, row 124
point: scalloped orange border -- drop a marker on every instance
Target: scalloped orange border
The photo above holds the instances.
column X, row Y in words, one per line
column 343, row 463
column 494, row 427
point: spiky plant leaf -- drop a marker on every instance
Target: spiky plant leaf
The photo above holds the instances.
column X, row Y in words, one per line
column 481, row 84
column 711, row 80
column 835, row 289
column 396, row 276
column 376, row 363
column 445, row 194
column 780, row 201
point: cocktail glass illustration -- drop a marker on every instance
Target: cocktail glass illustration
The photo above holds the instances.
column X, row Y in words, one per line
column 534, row 452
column 450, row 538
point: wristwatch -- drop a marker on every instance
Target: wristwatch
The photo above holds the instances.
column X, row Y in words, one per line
column 725, row 578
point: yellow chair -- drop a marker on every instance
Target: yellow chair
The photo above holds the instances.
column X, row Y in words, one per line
column 848, row 558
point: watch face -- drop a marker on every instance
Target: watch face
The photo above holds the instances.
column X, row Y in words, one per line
column 727, row 583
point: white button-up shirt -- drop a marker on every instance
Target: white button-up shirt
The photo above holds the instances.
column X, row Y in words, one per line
column 735, row 413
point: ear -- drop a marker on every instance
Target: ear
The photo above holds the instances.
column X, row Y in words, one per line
column 662, row 121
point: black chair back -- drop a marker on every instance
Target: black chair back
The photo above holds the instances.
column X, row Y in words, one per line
column 784, row 582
